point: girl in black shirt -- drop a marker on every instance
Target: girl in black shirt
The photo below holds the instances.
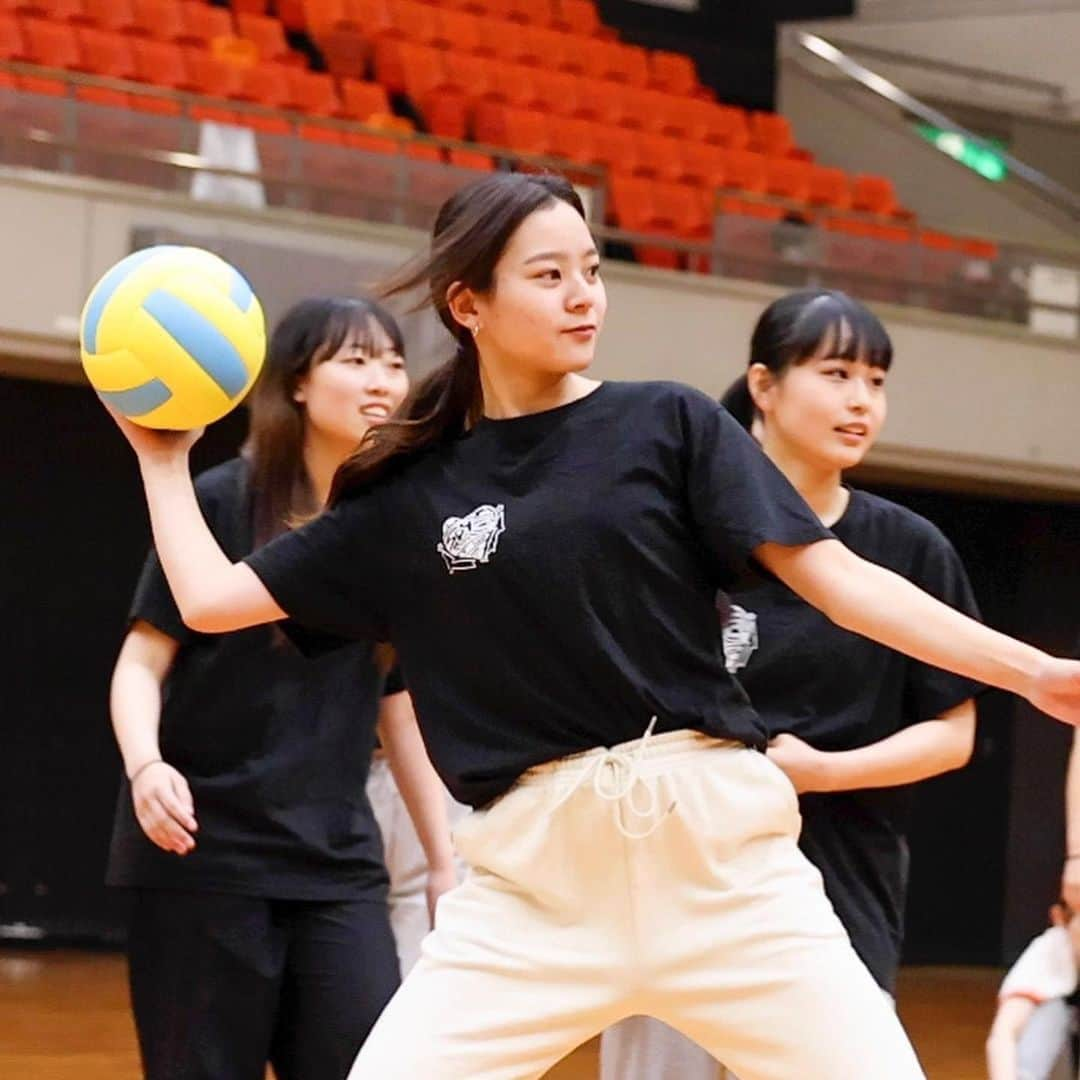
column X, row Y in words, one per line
column 259, row 927
column 544, row 552
column 851, row 722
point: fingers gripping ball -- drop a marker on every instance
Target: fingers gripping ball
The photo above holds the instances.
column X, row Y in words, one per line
column 172, row 337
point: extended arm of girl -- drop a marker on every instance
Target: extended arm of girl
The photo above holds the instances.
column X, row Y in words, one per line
column 421, row 790
column 160, row 794
column 917, row 752
column 870, row 600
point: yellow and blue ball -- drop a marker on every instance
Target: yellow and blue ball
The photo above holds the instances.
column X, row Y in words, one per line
column 172, row 337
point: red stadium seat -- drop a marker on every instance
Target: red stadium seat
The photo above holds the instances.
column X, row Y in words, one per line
column 770, row 134
column 363, row 100
column 788, row 178
column 830, row 188
column 672, row 72
column 159, row 19
column 116, row 15
column 269, row 37
column 200, row 23
column 578, row 17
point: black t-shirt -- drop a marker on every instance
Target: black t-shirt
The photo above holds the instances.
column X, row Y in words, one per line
column 548, row 581
column 839, row 691
column 275, row 747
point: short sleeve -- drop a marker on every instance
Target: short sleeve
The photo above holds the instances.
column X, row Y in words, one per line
column 930, row 691
column 153, row 602
column 326, row 575
column 218, row 491
column 1046, row 969
column 738, row 498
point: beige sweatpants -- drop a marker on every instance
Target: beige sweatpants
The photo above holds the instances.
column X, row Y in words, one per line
column 570, row 919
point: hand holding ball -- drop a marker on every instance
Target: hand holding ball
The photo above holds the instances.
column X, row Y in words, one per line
column 172, row 337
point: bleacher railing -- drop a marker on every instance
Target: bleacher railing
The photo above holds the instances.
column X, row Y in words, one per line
column 291, row 169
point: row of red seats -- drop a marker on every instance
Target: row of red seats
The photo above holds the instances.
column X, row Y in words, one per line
column 181, row 68
column 644, row 154
column 569, row 16
column 183, row 22
column 679, row 210
column 187, row 22
column 281, row 87
column 551, row 50
column 447, row 88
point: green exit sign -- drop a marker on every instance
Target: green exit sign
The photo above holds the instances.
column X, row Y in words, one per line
column 986, row 162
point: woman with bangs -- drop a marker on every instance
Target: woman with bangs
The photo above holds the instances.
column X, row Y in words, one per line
column 544, row 551
column 852, row 723
column 259, row 928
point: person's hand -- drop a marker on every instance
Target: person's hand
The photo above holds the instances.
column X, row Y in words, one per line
column 164, row 807
column 151, row 445
column 1055, row 690
column 806, row 767
column 440, row 880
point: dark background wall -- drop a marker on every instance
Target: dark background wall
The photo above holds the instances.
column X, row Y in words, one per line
column 732, row 41
column 73, row 539
column 987, row 840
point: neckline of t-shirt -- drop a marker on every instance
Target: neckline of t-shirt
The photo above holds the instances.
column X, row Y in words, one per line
column 852, row 493
column 517, row 423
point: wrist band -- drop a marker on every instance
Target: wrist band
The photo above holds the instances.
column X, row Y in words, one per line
column 1069, row 858
column 143, row 767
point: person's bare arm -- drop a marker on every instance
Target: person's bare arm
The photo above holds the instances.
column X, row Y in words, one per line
column 915, row 753
column 1070, row 877
column 1012, row 1016
column 421, row 790
column 870, row 600
column 159, row 793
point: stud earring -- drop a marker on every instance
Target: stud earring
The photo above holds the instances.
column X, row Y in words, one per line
column 475, row 329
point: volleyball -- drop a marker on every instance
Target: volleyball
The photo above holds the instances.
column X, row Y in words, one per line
column 172, row 337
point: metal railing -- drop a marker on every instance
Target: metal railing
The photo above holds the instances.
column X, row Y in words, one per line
column 1055, row 194
column 68, row 135
column 1055, row 95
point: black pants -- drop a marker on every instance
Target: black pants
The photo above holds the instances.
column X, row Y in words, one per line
column 220, row 985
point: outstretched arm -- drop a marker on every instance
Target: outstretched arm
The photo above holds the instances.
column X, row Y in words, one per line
column 870, row 600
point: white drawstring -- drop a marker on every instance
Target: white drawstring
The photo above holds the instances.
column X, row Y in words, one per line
column 615, row 776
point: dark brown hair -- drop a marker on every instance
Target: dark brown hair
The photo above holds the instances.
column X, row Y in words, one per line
column 471, row 233
column 309, row 333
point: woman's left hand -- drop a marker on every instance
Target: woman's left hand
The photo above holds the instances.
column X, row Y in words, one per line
column 439, row 880
column 805, row 766
column 1055, row 690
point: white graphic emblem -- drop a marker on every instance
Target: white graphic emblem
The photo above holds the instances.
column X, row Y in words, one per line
column 469, row 541
column 740, row 638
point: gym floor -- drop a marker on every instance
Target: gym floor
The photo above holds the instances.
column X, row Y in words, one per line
column 64, row 1016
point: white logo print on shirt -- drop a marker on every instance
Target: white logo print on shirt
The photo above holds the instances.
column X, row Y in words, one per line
column 740, row 638
column 469, row 541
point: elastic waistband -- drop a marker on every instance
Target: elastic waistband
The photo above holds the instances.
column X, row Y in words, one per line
column 656, row 750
